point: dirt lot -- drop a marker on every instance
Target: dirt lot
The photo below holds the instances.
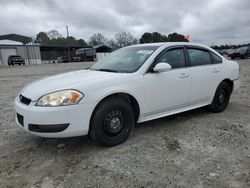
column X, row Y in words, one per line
column 192, row 149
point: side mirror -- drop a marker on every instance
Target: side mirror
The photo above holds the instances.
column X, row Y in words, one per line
column 162, row 67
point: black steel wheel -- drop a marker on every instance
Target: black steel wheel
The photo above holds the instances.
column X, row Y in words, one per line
column 112, row 122
column 221, row 98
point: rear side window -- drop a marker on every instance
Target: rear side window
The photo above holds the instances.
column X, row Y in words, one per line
column 174, row 57
column 199, row 57
column 216, row 58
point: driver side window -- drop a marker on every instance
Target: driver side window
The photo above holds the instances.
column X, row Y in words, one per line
column 174, row 57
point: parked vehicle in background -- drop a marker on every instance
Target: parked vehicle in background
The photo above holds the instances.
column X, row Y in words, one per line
column 220, row 52
column 131, row 85
column 76, row 59
column 230, row 52
column 242, row 53
column 62, row 59
column 226, row 51
column 15, row 59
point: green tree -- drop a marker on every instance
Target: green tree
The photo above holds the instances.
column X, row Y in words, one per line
column 175, row 37
column 153, row 37
column 55, row 38
column 81, row 42
column 158, row 37
column 42, row 38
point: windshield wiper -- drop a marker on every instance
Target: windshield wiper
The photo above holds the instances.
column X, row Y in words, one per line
column 106, row 70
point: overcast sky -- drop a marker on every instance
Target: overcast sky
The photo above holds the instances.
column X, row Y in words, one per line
column 206, row 21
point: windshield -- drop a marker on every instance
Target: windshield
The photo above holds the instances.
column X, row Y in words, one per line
column 126, row 60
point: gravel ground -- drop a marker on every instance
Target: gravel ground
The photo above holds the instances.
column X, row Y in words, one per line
column 192, row 149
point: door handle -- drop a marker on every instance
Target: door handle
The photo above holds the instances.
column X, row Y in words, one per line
column 216, row 70
column 184, row 75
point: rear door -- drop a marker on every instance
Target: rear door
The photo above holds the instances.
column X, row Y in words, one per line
column 205, row 74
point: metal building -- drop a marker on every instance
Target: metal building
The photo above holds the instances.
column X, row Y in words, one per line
column 37, row 54
column 98, row 52
column 28, row 51
column 31, row 53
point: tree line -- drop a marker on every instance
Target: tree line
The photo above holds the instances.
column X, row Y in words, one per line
column 120, row 39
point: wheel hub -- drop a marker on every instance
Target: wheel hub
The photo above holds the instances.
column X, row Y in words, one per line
column 115, row 123
column 221, row 98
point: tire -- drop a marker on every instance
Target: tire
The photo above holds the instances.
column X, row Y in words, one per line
column 221, row 98
column 112, row 122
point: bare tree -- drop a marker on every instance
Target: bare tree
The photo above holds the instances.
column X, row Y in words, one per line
column 97, row 39
column 54, row 34
column 125, row 39
column 112, row 44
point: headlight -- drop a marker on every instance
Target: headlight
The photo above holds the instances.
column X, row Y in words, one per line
column 60, row 98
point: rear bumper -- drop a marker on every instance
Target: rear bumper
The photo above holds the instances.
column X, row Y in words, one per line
column 54, row 122
column 17, row 62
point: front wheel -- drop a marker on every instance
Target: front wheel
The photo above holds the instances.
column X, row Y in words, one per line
column 221, row 97
column 112, row 122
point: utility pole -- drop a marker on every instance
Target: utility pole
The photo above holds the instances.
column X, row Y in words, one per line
column 67, row 29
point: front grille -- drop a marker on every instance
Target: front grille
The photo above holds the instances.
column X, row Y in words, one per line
column 19, row 119
column 24, row 100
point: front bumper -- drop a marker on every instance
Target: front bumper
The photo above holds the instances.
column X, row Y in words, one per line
column 236, row 84
column 54, row 122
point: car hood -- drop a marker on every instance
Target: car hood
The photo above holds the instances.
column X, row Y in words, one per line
column 70, row 80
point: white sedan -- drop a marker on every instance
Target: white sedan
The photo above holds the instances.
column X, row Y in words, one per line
column 131, row 85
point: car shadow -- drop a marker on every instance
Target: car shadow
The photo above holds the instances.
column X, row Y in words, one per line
column 85, row 144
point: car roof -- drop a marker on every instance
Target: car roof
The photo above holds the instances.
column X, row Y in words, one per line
column 169, row 44
column 166, row 44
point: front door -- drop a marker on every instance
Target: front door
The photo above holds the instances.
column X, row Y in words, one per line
column 169, row 90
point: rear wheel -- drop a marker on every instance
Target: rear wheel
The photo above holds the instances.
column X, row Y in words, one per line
column 221, row 97
column 112, row 122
